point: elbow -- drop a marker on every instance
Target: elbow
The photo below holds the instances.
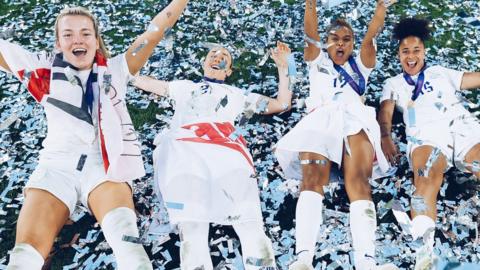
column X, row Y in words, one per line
column 287, row 106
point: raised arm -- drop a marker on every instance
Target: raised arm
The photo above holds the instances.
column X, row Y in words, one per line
column 385, row 120
column 139, row 52
column 470, row 80
column 3, row 63
column 311, row 30
column 283, row 102
column 368, row 51
column 151, row 85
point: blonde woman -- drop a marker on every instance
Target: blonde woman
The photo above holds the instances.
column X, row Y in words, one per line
column 91, row 153
column 203, row 167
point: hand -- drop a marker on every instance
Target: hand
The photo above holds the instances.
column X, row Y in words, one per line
column 385, row 3
column 390, row 150
column 280, row 55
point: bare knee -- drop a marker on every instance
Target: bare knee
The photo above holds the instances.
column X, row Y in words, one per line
column 357, row 184
column 314, row 178
column 428, row 186
column 428, row 180
column 41, row 218
column 108, row 196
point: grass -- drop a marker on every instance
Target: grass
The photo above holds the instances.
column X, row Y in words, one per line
column 144, row 116
column 245, row 67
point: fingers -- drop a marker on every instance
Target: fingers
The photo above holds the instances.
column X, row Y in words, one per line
column 390, row 151
column 387, row 3
column 280, row 53
column 274, row 53
column 393, row 157
column 282, row 47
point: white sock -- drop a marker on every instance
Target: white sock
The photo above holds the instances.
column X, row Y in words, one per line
column 363, row 223
column 257, row 251
column 25, row 257
column 420, row 225
column 308, row 220
column 194, row 247
column 116, row 224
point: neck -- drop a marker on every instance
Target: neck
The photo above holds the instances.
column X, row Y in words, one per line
column 420, row 71
column 208, row 79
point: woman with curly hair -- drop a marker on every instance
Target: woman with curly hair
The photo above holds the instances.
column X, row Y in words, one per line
column 441, row 133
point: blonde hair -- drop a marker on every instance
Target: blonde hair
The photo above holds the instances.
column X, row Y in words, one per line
column 80, row 11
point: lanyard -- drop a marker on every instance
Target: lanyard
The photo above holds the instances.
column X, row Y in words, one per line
column 359, row 88
column 213, row 80
column 418, row 86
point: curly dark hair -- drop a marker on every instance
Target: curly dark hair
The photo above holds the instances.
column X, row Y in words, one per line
column 408, row 27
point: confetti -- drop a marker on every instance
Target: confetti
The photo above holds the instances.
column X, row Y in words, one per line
column 419, row 205
column 132, row 239
column 248, row 28
column 222, row 65
column 411, row 116
column 71, row 76
column 9, row 121
column 430, row 161
column 107, row 82
column 173, row 205
column 8, row 33
column 139, row 47
column 333, row 3
column 223, row 102
column 152, row 28
column 321, row 162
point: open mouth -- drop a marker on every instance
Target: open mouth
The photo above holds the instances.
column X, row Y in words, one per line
column 340, row 53
column 79, row 52
column 220, row 66
column 411, row 64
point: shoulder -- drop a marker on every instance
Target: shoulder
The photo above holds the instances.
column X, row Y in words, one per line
column 358, row 61
column 438, row 71
column 233, row 88
column 394, row 81
column 181, row 84
column 118, row 66
column 321, row 58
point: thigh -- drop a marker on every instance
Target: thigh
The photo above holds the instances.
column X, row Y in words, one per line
column 316, row 173
column 358, row 161
column 357, row 167
column 473, row 159
column 41, row 218
column 108, row 196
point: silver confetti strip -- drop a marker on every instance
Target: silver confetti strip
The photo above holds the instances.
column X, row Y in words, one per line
column 242, row 28
column 132, row 239
column 419, row 205
column 70, row 76
column 431, row 160
column 139, row 47
column 10, row 120
column 320, row 162
column 152, row 28
column 107, row 82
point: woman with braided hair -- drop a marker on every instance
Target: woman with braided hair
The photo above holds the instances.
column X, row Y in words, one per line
column 338, row 129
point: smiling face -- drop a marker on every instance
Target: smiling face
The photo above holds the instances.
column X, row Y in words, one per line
column 340, row 43
column 412, row 55
column 218, row 64
column 76, row 39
